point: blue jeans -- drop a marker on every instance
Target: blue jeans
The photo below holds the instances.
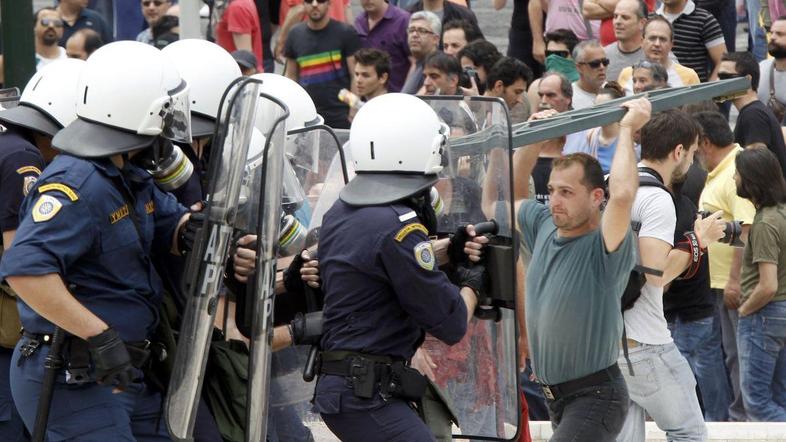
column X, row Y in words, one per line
column 761, row 341
column 663, row 387
column 700, row 342
column 757, row 40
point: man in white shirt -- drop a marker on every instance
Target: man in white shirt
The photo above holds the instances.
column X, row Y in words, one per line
column 591, row 62
column 660, row 381
column 48, row 30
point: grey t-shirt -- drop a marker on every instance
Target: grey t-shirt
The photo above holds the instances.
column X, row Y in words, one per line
column 764, row 82
column 620, row 60
column 573, row 296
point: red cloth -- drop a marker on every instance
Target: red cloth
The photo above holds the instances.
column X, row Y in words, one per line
column 524, row 435
column 607, row 26
column 336, row 11
column 240, row 17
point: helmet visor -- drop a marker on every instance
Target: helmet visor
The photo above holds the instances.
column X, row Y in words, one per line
column 177, row 115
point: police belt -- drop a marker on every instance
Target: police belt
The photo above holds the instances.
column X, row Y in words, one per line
column 559, row 391
column 367, row 373
column 78, row 354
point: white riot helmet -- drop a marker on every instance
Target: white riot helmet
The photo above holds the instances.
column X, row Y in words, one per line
column 208, row 69
column 302, row 112
column 48, row 102
column 396, row 143
column 129, row 94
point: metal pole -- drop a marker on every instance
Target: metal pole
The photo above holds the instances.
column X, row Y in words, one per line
column 53, row 363
column 189, row 19
column 16, row 17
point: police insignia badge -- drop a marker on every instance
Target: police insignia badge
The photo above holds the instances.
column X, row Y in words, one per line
column 29, row 182
column 46, row 208
column 424, row 254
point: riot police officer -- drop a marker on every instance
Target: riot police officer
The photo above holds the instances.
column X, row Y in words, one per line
column 81, row 256
column 48, row 103
column 383, row 289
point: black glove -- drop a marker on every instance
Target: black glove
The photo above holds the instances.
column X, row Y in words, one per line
column 189, row 232
column 456, row 247
column 292, row 280
column 111, row 359
column 472, row 276
column 307, row 329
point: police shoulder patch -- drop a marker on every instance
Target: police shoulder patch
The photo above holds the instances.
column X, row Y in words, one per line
column 46, row 208
column 409, row 228
column 424, row 255
column 62, row 188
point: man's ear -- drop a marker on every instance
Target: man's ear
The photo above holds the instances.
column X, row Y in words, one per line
column 499, row 87
column 678, row 152
column 384, row 79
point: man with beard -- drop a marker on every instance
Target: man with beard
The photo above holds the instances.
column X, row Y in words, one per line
column 659, row 379
column 152, row 10
column 591, row 63
column 773, row 70
column 321, row 57
column 48, row 30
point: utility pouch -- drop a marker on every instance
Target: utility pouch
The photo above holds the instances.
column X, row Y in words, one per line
column 363, row 377
column 406, row 382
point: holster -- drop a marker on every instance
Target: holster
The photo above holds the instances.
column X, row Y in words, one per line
column 404, row 382
column 367, row 373
column 436, row 410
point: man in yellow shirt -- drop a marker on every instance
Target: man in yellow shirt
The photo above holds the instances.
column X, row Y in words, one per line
column 717, row 152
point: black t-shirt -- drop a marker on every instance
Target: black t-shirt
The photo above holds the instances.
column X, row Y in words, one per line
column 757, row 124
column 20, row 165
column 540, row 176
column 322, row 66
column 689, row 299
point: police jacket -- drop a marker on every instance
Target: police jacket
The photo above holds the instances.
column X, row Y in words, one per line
column 20, row 165
column 77, row 222
column 382, row 290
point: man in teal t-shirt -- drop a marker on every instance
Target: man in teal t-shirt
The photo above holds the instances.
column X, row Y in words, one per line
column 580, row 263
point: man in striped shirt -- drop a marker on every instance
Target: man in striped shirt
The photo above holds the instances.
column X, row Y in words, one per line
column 698, row 39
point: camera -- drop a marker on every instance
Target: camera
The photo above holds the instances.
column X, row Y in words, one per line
column 731, row 233
column 464, row 79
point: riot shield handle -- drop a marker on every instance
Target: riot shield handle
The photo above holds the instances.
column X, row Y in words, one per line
column 310, row 369
column 487, row 227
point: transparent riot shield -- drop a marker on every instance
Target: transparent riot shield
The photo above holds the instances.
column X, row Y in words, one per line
column 479, row 375
column 265, row 201
column 9, row 97
column 205, row 265
column 320, row 174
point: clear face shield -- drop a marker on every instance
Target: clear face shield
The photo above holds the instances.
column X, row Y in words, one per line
column 176, row 114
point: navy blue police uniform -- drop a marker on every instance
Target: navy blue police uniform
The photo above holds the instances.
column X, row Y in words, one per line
column 78, row 222
column 383, row 290
column 20, row 165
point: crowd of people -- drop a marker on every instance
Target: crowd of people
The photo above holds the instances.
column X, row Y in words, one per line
column 702, row 340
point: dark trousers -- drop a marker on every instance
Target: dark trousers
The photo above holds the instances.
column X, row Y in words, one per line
column 394, row 422
column 592, row 414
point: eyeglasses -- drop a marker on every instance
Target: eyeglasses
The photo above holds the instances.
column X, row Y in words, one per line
column 155, row 3
column 419, row 31
column 594, row 64
column 56, row 22
column 727, row 75
column 563, row 54
column 308, row 2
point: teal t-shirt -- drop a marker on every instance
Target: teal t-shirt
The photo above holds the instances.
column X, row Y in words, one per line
column 573, row 296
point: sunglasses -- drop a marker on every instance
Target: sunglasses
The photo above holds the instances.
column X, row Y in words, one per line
column 727, row 75
column 320, row 2
column 563, row 54
column 56, row 22
column 594, row 64
column 156, row 3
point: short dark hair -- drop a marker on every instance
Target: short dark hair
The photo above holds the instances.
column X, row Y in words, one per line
column 471, row 32
column 612, row 89
column 761, row 176
column 564, row 36
column 443, row 62
column 593, row 173
column 380, row 60
column 93, row 40
column 38, row 12
column 508, row 70
column 482, row 53
column 164, row 25
column 745, row 64
column 664, row 132
column 714, row 128
column 658, row 19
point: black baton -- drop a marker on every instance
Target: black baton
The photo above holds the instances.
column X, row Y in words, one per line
column 53, row 363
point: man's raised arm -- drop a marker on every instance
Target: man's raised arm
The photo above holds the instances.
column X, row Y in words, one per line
column 624, row 175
